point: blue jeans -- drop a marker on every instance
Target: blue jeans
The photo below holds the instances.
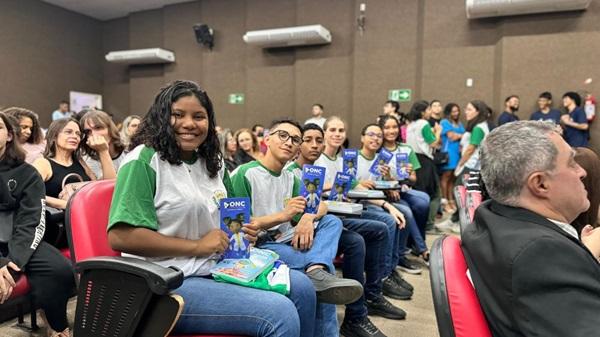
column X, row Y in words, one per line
column 213, row 307
column 419, row 204
column 326, row 238
column 412, row 229
column 391, row 250
column 362, row 245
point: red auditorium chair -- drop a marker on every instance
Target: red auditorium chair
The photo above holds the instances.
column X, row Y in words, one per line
column 457, row 307
column 112, row 288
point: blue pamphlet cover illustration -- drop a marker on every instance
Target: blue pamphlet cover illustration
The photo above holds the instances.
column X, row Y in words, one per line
column 350, row 158
column 312, row 187
column 235, row 212
column 340, row 188
column 383, row 158
column 246, row 270
column 401, row 166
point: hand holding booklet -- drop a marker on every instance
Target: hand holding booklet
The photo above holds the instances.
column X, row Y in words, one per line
column 242, row 264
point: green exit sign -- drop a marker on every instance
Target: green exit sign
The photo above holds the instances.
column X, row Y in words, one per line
column 400, row 95
column 236, row 98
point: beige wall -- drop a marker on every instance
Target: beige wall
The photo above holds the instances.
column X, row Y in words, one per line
column 426, row 45
column 45, row 52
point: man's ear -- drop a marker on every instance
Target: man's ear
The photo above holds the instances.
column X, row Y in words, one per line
column 538, row 184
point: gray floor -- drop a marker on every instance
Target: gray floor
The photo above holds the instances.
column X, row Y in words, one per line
column 420, row 321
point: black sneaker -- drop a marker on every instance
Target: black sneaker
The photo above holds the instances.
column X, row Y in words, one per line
column 408, row 267
column 382, row 307
column 401, row 281
column 393, row 290
column 360, row 328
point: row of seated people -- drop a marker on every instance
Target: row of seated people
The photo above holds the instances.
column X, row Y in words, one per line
column 165, row 209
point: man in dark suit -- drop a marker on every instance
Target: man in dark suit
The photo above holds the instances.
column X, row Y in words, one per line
column 533, row 275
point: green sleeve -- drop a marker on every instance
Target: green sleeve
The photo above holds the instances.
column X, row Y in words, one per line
column 413, row 160
column 133, row 198
column 240, row 185
column 476, row 136
column 353, row 183
column 428, row 134
column 227, row 183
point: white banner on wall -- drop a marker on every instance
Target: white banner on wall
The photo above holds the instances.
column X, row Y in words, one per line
column 83, row 100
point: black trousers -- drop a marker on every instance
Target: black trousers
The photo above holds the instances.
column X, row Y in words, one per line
column 52, row 281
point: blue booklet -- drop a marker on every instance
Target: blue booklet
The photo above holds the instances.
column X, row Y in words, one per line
column 340, row 188
column 235, row 212
column 383, row 158
column 350, row 158
column 401, row 166
column 312, row 187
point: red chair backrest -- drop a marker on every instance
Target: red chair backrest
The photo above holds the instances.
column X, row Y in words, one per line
column 467, row 317
column 86, row 221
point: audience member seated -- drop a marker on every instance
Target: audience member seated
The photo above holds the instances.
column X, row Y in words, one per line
column 22, row 225
column 393, row 285
column 276, row 203
column 99, row 128
column 418, row 201
column 590, row 162
column 362, row 243
column 128, row 129
column 532, row 274
column 228, row 148
column 248, row 148
column 62, row 159
column 31, row 136
column 372, row 140
column 165, row 209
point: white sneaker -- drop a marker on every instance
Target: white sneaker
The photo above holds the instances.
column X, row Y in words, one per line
column 447, row 226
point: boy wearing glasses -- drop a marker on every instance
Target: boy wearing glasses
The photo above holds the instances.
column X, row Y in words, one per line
column 278, row 208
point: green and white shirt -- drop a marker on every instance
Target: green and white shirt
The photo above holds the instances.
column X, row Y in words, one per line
column 363, row 164
column 412, row 158
column 175, row 200
column 419, row 135
column 332, row 166
column 475, row 138
column 295, row 169
column 269, row 191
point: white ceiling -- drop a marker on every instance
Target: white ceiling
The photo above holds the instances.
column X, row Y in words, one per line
column 111, row 9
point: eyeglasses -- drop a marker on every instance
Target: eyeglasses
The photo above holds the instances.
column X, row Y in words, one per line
column 374, row 135
column 70, row 132
column 284, row 136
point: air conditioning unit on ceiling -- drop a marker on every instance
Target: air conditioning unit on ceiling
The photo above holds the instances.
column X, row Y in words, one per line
column 493, row 8
column 288, row 37
column 141, row 56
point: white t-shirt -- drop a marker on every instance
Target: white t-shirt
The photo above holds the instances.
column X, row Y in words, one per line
column 363, row 166
column 416, row 139
column 332, row 166
column 269, row 192
column 320, row 121
column 175, row 200
column 96, row 165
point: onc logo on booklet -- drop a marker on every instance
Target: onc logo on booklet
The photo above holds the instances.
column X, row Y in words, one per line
column 234, row 204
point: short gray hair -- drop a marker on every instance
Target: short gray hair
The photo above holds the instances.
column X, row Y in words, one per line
column 511, row 152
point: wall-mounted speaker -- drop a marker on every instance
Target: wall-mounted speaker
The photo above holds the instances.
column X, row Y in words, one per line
column 204, row 35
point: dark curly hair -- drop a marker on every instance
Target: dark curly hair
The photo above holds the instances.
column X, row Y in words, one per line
column 37, row 135
column 156, row 131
